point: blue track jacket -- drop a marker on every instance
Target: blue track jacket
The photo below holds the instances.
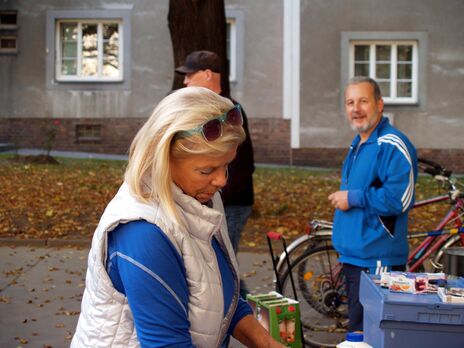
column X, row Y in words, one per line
column 380, row 176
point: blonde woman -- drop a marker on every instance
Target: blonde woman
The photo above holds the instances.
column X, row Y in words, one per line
column 161, row 270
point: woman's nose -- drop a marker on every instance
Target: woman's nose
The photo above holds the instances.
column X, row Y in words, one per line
column 186, row 80
column 220, row 178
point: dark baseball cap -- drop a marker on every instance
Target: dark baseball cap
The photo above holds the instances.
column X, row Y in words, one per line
column 200, row 60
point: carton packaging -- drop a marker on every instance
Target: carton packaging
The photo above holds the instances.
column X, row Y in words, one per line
column 279, row 315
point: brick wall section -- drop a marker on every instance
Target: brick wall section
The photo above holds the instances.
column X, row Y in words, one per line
column 116, row 134
column 452, row 159
column 271, row 141
column 319, row 157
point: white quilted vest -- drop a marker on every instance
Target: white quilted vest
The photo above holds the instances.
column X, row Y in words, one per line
column 106, row 319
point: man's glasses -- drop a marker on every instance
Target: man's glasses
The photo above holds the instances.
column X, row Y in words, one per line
column 212, row 129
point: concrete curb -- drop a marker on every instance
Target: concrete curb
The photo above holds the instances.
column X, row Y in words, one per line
column 52, row 242
column 86, row 243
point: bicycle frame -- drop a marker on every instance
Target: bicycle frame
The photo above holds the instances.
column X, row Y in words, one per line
column 323, row 228
column 317, row 236
column 320, row 289
column 425, row 248
column 321, row 231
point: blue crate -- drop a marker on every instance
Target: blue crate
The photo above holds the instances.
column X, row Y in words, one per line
column 407, row 320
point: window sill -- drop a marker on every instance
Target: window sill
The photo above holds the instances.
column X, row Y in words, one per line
column 88, row 81
column 8, row 53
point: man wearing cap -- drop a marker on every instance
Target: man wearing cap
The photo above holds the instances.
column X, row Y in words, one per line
column 203, row 69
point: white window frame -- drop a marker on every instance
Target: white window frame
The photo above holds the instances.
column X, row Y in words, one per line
column 232, row 49
column 392, row 99
column 100, row 77
column 235, row 17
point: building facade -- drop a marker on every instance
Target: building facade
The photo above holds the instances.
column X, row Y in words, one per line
column 91, row 72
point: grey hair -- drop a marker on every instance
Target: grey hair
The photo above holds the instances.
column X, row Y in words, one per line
column 360, row 79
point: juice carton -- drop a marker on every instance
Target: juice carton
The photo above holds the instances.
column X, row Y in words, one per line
column 280, row 316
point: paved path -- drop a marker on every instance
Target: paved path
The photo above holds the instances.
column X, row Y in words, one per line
column 41, row 290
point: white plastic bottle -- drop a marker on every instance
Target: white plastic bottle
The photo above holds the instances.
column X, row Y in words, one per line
column 354, row 340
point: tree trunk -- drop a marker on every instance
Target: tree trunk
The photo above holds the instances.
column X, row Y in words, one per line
column 198, row 25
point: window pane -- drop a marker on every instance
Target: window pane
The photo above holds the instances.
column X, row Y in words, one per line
column 382, row 71
column 69, row 50
column 110, row 31
column 8, row 43
column 111, row 50
column 361, row 69
column 69, row 31
column 404, row 71
column 89, row 50
column 8, row 18
column 69, row 67
column 228, row 28
column 385, row 88
column 382, row 52
column 361, row 52
column 404, row 89
column 405, row 53
column 110, row 67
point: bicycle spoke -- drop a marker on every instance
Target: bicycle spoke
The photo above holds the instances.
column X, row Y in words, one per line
column 320, row 290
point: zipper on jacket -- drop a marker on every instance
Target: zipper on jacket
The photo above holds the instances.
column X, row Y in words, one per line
column 352, row 159
column 385, row 228
column 227, row 317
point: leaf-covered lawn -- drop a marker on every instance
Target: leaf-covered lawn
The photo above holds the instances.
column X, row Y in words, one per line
column 66, row 200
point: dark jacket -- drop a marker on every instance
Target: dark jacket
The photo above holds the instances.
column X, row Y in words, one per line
column 239, row 187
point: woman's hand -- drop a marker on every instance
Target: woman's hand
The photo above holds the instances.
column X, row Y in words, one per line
column 252, row 334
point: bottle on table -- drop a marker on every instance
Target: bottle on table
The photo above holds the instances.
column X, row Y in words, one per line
column 354, row 340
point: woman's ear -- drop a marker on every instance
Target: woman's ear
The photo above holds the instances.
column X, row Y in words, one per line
column 208, row 74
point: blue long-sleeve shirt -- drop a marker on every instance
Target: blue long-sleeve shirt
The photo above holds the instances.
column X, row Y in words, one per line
column 144, row 265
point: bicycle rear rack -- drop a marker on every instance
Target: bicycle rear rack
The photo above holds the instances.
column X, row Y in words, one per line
column 277, row 236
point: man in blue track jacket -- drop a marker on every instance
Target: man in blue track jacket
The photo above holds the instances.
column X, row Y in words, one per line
column 376, row 193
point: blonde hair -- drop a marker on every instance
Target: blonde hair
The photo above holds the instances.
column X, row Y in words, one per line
column 148, row 172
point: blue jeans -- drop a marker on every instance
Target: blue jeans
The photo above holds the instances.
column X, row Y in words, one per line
column 237, row 216
column 352, row 279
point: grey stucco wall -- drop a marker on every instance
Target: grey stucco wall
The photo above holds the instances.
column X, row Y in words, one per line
column 436, row 121
column 23, row 84
column 261, row 92
column 26, row 91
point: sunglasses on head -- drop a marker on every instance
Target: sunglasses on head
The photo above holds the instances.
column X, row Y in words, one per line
column 212, row 129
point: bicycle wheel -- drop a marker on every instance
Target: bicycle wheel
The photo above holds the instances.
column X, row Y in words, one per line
column 320, row 288
column 437, row 261
column 296, row 249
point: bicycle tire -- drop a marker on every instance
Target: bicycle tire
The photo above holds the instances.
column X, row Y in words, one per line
column 323, row 301
column 293, row 254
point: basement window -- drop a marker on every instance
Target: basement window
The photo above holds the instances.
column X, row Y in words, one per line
column 88, row 133
column 8, row 32
column 8, row 44
column 8, row 20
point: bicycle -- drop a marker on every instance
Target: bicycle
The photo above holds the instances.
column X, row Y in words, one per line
column 319, row 276
column 324, row 228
